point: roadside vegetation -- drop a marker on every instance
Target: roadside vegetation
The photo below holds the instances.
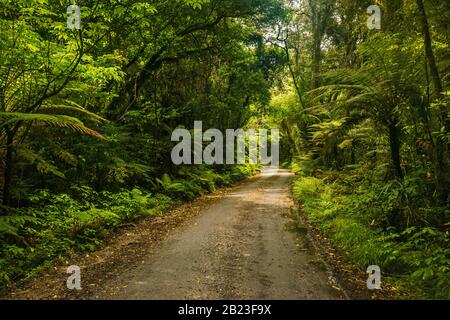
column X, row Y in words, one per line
column 369, row 135
column 52, row 226
column 86, row 115
column 355, row 214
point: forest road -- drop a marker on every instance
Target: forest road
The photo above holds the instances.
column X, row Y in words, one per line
column 244, row 246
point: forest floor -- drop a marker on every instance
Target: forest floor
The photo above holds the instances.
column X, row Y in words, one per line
column 242, row 242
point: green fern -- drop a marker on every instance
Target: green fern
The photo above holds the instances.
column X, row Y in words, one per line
column 8, row 118
column 72, row 109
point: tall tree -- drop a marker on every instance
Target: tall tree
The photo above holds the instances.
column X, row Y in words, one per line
column 441, row 119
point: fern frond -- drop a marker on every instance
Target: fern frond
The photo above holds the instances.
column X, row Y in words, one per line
column 70, row 110
column 43, row 166
column 61, row 121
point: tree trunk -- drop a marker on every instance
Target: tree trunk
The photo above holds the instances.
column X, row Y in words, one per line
column 316, row 64
column 441, row 119
column 394, row 142
column 317, row 43
column 316, row 57
column 293, row 75
column 7, row 184
column 429, row 49
column 321, row 12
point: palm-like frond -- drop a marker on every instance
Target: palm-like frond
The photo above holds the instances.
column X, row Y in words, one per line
column 61, row 121
column 70, row 110
column 42, row 165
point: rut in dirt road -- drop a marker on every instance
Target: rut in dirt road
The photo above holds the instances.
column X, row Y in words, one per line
column 240, row 247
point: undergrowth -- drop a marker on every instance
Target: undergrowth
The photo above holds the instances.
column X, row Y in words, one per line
column 373, row 223
column 52, row 226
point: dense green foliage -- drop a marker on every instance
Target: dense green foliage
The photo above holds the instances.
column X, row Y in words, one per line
column 355, row 214
column 52, row 225
column 86, row 118
column 367, row 116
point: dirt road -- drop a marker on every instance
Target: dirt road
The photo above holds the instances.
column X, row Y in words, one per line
column 244, row 246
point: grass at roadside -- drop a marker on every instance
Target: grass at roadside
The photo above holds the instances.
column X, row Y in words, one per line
column 355, row 213
column 53, row 226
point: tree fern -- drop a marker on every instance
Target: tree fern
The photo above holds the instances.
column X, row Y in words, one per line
column 73, row 109
column 8, row 118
